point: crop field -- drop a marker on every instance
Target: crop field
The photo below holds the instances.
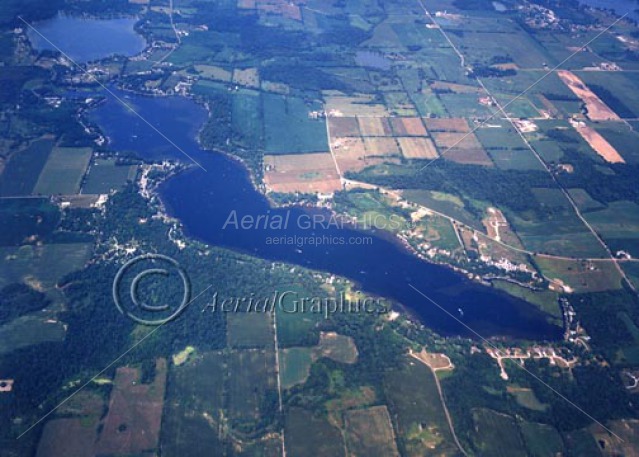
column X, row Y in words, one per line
column 54, row 441
column 63, row 171
column 251, row 380
column 247, row 118
column 324, row 441
column 619, row 226
column 288, row 127
column 581, row 276
column 599, row 144
column 106, row 175
column 428, row 103
column 343, row 127
column 350, row 154
column 41, row 266
column 465, row 105
column 353, row 106
column 408, row 126
column 296, row 329
column 301, row 173
column 132, row 424
column 620, row 138
column 214, row 72
column 399, row 104
column 417, row 411
column 619, row 91
column 520, row 108
column 561, row 234
column 31, row 329
column 497, row 434
column 461, row 148
column 249, row 330
column 381, row 147
column 458, row 125
column 417, row 148
column 369, row 432
column 195, row 393
column 374, row 126
column 296, row 365
column 20, row 174
column 584, row 201
column 583, row 443
column 541, row 439
column 596, row 108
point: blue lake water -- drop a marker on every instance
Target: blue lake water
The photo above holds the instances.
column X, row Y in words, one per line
column 202, row 201
column 85, row 39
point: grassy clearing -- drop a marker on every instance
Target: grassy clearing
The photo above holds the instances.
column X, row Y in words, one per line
column 63, row 171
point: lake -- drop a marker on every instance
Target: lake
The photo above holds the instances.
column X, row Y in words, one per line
column 86, row 39
column 203, row 200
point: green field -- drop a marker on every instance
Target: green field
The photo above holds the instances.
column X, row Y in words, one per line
column 106, row 175
column 295, row 365
column 249, row 330
column 417, row 410
column 497, row 434
column 296, row 329
column 21, row 173
column 618, row 225
column 64, row 171
column 35, row 328
column 541, row 440
column 444, row 203
column 324, row 440
column 247, row 118
column 288, row 129
column 194, row 390
column 251, row 392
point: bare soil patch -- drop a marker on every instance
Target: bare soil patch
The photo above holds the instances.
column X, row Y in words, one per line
column 597, row 109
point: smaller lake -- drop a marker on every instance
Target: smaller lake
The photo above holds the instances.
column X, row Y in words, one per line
column 86, row 39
